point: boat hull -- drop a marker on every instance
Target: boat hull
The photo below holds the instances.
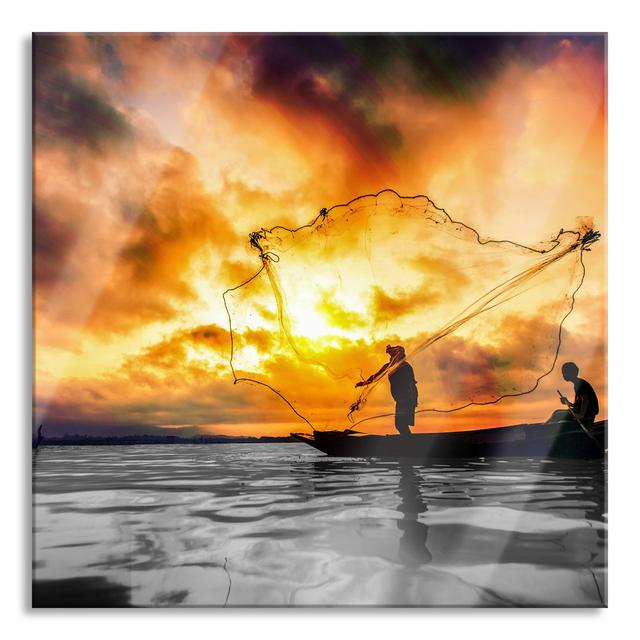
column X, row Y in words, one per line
column 556, row 440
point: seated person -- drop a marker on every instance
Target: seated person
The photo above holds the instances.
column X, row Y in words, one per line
column 585, row 404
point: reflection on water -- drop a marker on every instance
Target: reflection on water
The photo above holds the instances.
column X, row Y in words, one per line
column 413, row 543
column 281, row 524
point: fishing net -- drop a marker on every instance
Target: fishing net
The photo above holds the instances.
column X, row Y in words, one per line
column 480, row 319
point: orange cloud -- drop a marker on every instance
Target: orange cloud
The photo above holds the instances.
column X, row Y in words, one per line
column 151, row 276
column 386, row 307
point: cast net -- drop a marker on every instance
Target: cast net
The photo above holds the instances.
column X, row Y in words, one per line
column 480, row 319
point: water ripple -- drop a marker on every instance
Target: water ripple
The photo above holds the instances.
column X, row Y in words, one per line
column 280, row 524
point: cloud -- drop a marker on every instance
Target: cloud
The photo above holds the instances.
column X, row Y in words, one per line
column 451, row 67
column 319, row 75
column 445, row 272
column 151, row 276
column 53, row 237
column 145, row 262
column 71, row 111
column 182, row 379
column 338, row 315
column 386, row 307
column 175, row 354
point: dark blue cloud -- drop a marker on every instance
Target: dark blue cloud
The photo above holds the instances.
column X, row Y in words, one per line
column 69, row 110
column 318, row 74
column 106, row 51
column 459, row 66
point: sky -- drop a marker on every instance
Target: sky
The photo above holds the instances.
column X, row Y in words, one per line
column 156, row 155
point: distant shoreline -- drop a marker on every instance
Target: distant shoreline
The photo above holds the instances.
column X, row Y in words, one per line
column 77, row 440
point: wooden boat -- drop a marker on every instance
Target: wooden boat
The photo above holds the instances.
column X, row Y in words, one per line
column 547, row 440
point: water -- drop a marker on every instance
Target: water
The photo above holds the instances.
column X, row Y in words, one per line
column 281, row 524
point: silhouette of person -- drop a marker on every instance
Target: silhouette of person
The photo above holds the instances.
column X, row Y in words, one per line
column 39, row 438
column 403, row 387
column 585, row 404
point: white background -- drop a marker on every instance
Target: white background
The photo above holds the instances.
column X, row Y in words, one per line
column 19, row 19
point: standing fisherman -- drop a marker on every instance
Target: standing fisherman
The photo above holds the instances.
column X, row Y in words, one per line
column 403, row 387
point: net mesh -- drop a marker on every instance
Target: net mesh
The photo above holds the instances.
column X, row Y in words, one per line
column 480, row 319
